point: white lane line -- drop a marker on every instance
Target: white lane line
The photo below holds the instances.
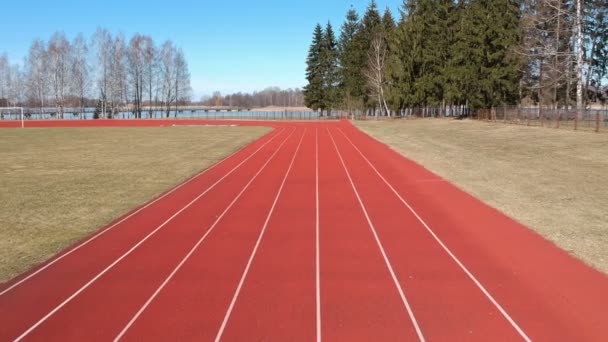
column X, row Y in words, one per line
column 445, row 248
column 384, row 255
column 317, row 244
column 257, row 245
column 70, row 298
column 122, row 220
column 198, row 243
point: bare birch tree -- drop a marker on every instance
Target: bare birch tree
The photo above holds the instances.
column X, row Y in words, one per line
column 167, row 71
column 37, row 73
column 182, row 79
column 59, row 51
column 150, row 66
column 80, row 75
column 118, row 75
column 4, row 75
column 375, row 71
column 16, row 85
column 103, row 46
column 136, row 59
column 61, row 73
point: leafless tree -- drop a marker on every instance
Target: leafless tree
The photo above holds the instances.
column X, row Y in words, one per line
column 118, row 75
column 546, row 49
column 62, row 74
column 136, row 59
column 150, row 67
column 37, row 73
column 12, row 83
column 272, row 96
column 16, row 85
column 167, row 72
column 80, row 75
column 4, row 75
column 103, row 45
column 182, row 79
column 59, row 51
column 375, row 71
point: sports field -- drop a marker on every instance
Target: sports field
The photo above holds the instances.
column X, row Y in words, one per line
column 315, row 232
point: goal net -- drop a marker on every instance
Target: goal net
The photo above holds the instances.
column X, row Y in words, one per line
column 12, row 113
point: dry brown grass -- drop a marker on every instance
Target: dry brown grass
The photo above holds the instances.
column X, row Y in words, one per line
column 59, row 185
column 553, row 181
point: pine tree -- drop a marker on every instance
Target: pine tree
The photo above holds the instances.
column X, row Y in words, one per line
column 460, row 71
column 329, row 61
column 402, row 75
column 496, row 23
column 351, row 81
column 428, row 20
column 596, row 27
column 313, row 91
column 389, row 32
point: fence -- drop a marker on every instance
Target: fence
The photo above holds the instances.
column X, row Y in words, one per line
column 591, row 119
column 180, row 114
column 415, row 112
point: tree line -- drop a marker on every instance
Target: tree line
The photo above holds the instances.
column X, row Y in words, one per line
column 107, row 71
column 272, row 96
column 477, row 54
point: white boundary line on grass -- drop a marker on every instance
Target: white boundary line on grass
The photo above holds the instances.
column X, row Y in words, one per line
column 74, row 249
column 84, row 287
column 257, row 245
column 384, row 255
column 198, row 243
column 317, row 243
column 445, row 248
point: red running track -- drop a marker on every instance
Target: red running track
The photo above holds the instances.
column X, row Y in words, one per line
column 314, row 232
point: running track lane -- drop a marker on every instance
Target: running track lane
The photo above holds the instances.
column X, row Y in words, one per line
column 209, row 275
column 426, row 273
column 547, row 293
column 359, row 301
column 282, row 278
column 552, row 296
column 146, row 267
column 23, row 305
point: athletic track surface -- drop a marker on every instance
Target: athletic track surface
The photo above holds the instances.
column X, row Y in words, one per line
column 314, row 232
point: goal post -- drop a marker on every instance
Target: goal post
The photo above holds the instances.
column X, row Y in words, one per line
column 10, row 111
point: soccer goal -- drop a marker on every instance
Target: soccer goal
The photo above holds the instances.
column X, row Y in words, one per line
column 12, row 113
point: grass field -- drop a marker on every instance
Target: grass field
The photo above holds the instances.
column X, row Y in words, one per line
column 59, row 185
column 553, row 181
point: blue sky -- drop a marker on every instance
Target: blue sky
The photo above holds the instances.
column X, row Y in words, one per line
column 231, row 45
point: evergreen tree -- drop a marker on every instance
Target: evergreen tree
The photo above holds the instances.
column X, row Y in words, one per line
column 389, row 33
column 313, row 91
column 596, row 27
column 441, row 53
column 460, row 72
column 430, row 42
column 329, row 61
column 489, row 36
column 402, row 75
column 351, row 83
